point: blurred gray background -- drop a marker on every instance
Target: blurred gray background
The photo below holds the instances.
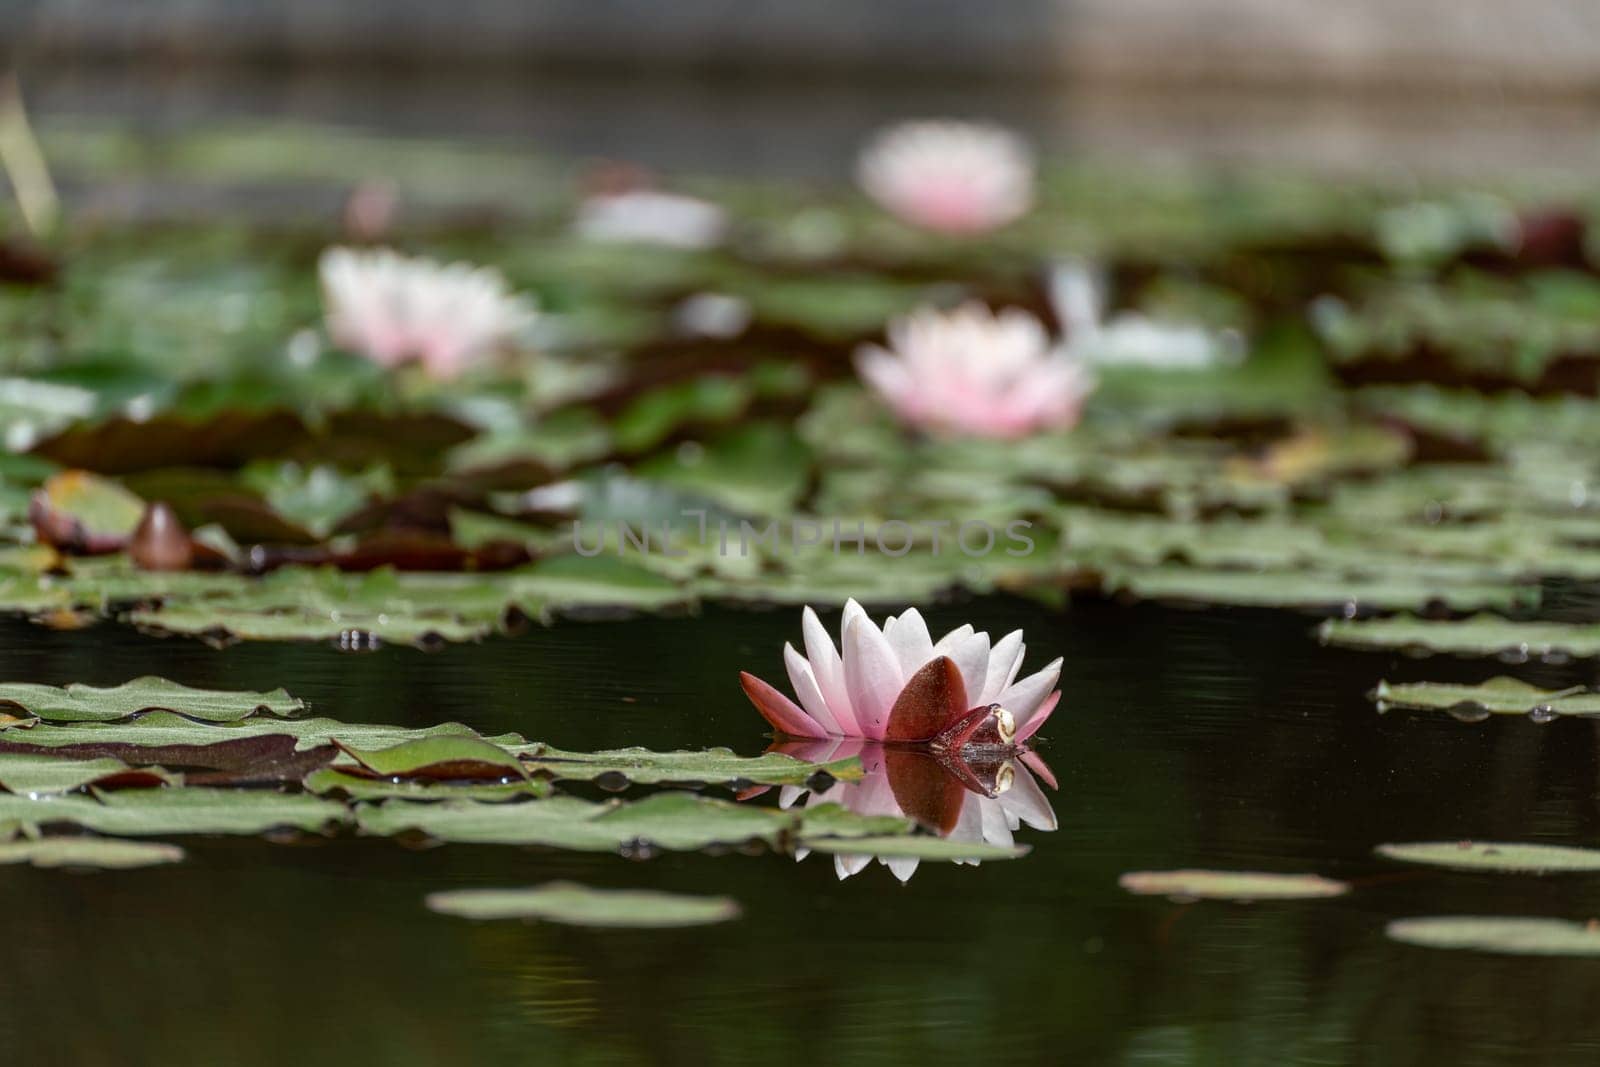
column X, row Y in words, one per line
column 751, row 85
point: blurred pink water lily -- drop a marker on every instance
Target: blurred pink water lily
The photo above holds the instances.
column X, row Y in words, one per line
column 949, row 176
column 981, row 798
column 972, row 371
column 897, row 684
column 396, row 309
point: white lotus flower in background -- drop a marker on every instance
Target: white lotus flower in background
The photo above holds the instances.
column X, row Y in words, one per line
column 950, row 176
column 394, row 309
column 647, row 216
column 973, row 371
column 900, row 685
column 1128, row 339
column 974, row 803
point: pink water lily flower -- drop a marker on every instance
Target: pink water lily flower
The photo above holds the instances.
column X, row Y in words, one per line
column 972, row 799
column 897, row 684
column 651, row 217
column 395, row 309
column 949, row 176
column 972, row 371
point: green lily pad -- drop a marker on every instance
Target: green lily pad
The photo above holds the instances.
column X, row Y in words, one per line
column 1494, row 856
column 87, row 703
column 1481, row 635
column 1310, row 589
column 39, row 775
column 169, row 812
column 1503, row 935
column 915, row 846
column 103, row 507
column 443, row 758
column 577, row 905
column 1242, row 886
column 160, row 728
column 101, row 852
column 328, row 780
column 671, row 821
column 717, row 765
column 1499, row 696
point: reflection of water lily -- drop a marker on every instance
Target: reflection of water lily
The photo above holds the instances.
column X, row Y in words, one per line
column 394, row 309
column 1128, row 339
column 953, row 177
column 976, row 372
column 976, row 798
column 898, row 684
column 646, row 216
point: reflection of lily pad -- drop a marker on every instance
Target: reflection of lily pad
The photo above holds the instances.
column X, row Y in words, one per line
column 1241, row 886
column 88, row 852
column 1507, row 936
column 577, row 905
column 1494, row 856
column 1501, row 696
column 1481, row 635
column 644, row 767
column 87, row 703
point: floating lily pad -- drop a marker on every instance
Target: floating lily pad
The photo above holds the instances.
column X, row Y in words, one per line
column 169, row 812
column 1310, row 589
column 672, row 821
column 158, row 729
column 38, row 775
column 576, row 905
column 328, row 780
column 87, row 703
column 443, row 758
column 1481, row 635
column 717, row 765
column 915, row 846
column 1494, row 856
column 1506, row 936
column 102, row 852
column 1500, row 696
column 1243, row 886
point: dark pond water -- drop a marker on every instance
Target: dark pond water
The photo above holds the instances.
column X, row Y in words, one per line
column 1207, row 739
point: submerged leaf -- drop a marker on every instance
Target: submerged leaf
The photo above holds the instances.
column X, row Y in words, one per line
column 577, row 905
column 1243, row 886
column 1504, row 935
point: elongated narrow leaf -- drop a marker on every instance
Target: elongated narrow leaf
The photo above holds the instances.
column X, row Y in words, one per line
column 1241, row 886
column 1481, row 635
column 169, row 812
column 1499, row 696
column 441, row 758
column 577, row 905
column 103, row 852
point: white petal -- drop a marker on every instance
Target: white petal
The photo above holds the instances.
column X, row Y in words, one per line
column 828, row 669
column 805, row 687
column 1022, row 698
column 1027, row 802
column 1004, row 659
column 903, row 867
column 971, row 656
column 910, row 641
column 871, row 674
column 845, row 866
